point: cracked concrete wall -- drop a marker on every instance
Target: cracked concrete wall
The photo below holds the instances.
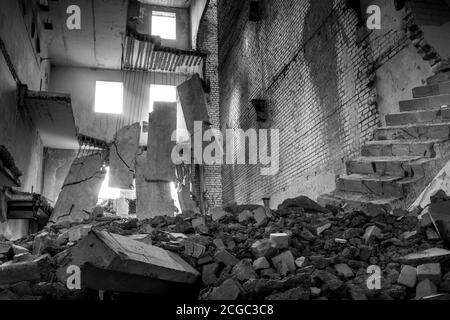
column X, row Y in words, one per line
column 17, row 131
column 57, row 166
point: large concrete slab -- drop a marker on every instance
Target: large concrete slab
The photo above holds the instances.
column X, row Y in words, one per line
column 153, row 198
column 162, row 124
column 193, row 102
column 79, row 194
column 112, row 254
column 122, row 157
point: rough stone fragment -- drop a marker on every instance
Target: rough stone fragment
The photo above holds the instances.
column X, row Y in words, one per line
column 228, row 291
column 226, row 258
column 432, row 234
column 431, row 271
column 122, row 157
column 209, row 274
column 264, row 248
column 193, row 249
column 304, row 203
column 408, row 235
column 408, row 277
column 329, row 279
column 219, row 244
column 79, row 194
column 243, row 270
column 344, row 270
column 294, row 294
column 261, row 263
column 425, row 288
column 284, row 263
column 299, row 262
column 260, row 216
column 281, row 239
column 18, row 249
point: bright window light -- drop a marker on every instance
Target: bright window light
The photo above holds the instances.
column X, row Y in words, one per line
column 107, row 193
column 109, row 97
column 162, row 93
column 164, row 25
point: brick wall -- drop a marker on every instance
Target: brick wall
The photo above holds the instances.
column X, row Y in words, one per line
column 305, row 59
column 207, row 43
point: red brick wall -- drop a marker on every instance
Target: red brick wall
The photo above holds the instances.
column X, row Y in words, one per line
column 303, row 58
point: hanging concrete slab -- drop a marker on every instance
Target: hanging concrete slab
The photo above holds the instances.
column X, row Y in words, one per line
column 79, row 194
column 152, row 198
column 122, row 157
column 162, row 124
column 107, row 260
column 193, row 102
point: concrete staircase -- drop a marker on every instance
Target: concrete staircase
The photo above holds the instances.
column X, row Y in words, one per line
column 403, row 157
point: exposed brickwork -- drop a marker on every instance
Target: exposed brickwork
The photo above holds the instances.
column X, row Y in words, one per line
column 305, row 60
column 207, row 43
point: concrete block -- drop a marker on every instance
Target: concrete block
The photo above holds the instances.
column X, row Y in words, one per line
column 243, row 270
column 281, row 239
column 228, row 291
column 284, row 263
column 408, row 276
column 426, row 288
column 261, row 263
column 264, row 248
column 430, row 271
column 299, row 262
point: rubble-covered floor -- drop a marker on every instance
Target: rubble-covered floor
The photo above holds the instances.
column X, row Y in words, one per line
column 299, row 252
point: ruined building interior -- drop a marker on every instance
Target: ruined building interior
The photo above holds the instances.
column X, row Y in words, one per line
column 225, row 149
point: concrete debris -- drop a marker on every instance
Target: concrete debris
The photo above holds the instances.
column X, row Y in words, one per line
column 283, row 258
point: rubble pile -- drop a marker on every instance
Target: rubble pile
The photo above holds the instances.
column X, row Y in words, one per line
column 301, row 251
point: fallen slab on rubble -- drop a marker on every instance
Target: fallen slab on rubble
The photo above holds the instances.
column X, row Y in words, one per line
column 107, row 260
column 426, row 256
column 34, row 270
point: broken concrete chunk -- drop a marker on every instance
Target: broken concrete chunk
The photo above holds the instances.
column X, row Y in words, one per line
column 193, row 249
column 284, row 263
column 226, row 258
column 35, row 270
column 260, row 216
column 408, row 276
column 243, row 270
column 218, row 213
column 18, row 249
column 431, row 271
column 228, row 291
column 408, row 235
column 219, row 244
column 209, row 274
column 344, row 270
column 294, row 294
column 426, row 288
column 245, row 216
column 303, row 202
column 329, row 279
column 79, row 232
column 264, row 248
column 261, row 263
column 426, row 256
column 281, row 239
column 432, row 234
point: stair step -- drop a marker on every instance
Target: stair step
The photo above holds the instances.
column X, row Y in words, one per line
column 403, row 166
column 438, row 78
column 421, row 116
column 369, row 204
column 432, row 102
column 369, row 184
column 423, row 131
column 392, row 148
column 432, row 90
